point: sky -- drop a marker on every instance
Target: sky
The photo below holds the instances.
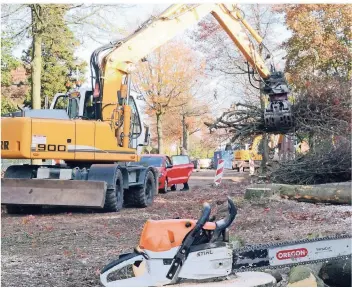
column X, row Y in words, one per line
column 129, row 20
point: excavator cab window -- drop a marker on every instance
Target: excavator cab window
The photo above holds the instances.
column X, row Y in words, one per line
column 88, row 110
column 61, row 102
column 68, row 103
column 136, row 126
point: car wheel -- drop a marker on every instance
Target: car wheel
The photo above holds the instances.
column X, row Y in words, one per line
column 185, row 187
column 174, row 187
column 164, row 190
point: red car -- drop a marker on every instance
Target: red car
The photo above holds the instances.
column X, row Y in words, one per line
column 172, row 171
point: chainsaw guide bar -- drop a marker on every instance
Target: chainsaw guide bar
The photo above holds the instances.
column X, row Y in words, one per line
column 291, row 253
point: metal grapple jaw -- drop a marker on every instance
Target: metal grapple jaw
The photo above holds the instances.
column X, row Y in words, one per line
column 278, row 115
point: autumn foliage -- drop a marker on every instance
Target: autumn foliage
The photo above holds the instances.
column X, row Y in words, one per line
column 167, row 82
column 320, row 43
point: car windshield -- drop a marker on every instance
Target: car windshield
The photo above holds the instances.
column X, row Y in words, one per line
column 150, row 161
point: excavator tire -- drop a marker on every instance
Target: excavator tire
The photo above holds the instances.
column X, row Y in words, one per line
column 114, row 197
column 21, row 172
column 142, row 196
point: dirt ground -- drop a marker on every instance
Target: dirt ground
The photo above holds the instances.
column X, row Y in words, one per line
column 68, row 248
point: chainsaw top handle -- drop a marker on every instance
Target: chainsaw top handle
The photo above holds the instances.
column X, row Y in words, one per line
column 203, row 218
column 223, row 224
column 226, row 222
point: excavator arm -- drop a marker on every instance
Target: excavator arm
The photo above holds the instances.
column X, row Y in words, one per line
column 112, row 70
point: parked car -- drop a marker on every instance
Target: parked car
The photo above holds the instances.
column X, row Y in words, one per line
column 172, row 170
column 205, row 163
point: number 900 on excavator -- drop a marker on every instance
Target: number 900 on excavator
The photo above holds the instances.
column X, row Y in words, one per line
column 96, row 136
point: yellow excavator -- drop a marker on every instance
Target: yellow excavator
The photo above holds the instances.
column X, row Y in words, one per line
column 96, row 139
column 251, row 151
column 242, row 156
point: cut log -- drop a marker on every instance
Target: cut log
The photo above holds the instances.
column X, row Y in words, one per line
column 301, row 276
column 257, row 193
column 334, row 193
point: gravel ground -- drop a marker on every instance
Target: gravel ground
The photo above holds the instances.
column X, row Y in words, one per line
column 68, row 248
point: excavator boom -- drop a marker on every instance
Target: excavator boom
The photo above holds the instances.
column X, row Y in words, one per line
column 125, row 53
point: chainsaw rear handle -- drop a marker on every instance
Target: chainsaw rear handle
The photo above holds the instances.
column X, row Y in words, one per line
column 117, row 265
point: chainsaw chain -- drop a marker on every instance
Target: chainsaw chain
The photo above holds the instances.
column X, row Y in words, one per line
column 278, row 244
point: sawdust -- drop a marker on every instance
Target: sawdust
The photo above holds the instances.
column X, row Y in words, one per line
column 68, row 248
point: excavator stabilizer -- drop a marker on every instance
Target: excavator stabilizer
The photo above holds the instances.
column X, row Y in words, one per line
column 50, row 192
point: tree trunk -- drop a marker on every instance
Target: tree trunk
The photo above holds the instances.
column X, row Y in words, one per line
column 311, row 141
column 180, row 146
column 262, row 96
column 36, row 64
column 264, row 142
column 159, row 130
column 323, row 193
column 185, row 133
column 334, row 193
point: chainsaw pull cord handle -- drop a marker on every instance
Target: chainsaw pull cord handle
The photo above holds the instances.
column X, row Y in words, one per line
column 223, row 224
column 182, row 253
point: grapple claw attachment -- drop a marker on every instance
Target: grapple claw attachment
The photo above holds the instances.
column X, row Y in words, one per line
column 278, row 115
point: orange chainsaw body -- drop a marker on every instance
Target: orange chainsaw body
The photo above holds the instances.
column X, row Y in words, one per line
column 162, row 235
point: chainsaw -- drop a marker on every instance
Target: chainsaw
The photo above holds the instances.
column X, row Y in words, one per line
column 182, row 249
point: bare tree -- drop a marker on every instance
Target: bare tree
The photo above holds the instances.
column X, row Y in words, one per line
column 226, row 63
column 192, row 114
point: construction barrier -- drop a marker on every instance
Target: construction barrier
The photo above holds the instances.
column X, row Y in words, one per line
column 219, row 172
column 251, row 167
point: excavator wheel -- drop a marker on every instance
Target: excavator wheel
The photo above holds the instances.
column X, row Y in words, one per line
column 142, row 196
column 114, row 197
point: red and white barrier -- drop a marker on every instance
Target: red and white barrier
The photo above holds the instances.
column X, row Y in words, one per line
column 251, row 167
column 219, row 172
